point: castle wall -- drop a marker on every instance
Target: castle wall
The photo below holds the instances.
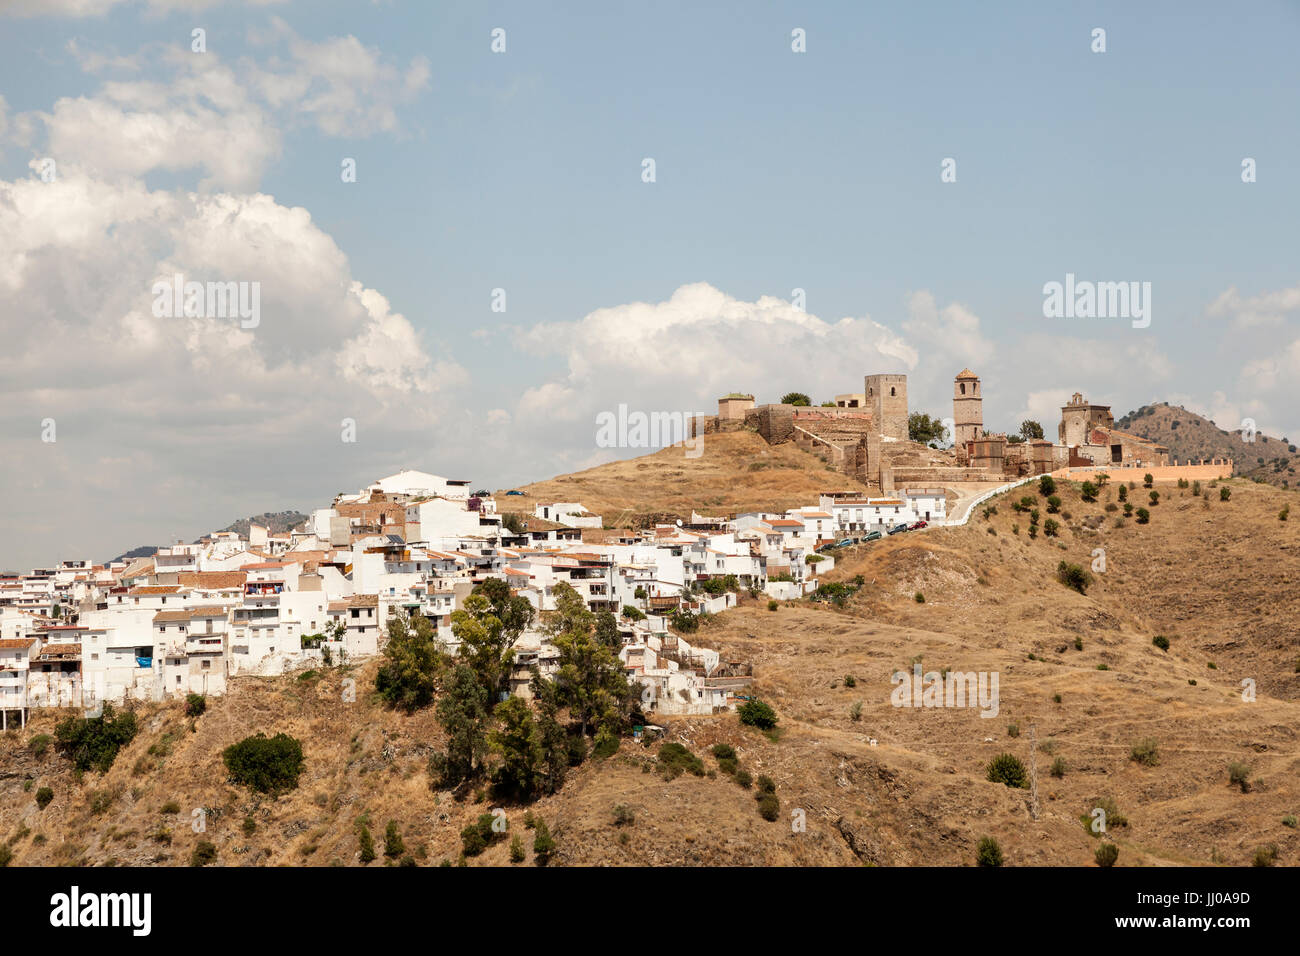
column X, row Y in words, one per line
column 887, row 399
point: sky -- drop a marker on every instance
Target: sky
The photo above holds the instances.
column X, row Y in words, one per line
column 838, row 189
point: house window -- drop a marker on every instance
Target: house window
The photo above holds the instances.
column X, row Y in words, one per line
column 206, row 665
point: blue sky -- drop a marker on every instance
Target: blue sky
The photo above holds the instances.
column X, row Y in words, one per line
column 522, row 170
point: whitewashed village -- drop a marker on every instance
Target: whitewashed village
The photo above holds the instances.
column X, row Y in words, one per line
column 190, row 617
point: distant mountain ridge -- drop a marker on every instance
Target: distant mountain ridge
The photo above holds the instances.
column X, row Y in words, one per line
column 1188, row 435
column 276, row 522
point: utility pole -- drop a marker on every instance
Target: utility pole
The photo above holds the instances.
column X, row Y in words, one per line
column 1033, row 770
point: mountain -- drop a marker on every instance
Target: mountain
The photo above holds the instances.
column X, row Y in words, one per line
column 1190, row 436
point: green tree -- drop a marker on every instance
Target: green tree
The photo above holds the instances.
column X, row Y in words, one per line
column 988, row 853
column 607, row 630
column 795, row 398
column 543, row 843
column 1047, row 486
column 266, row 764
column 1030, row 430
column 366, row 844
column 394, row 845
column 519, row 742
column 924, row 429
column 758, row 714
column 1007, row 769
column 462, row 712
column 486, row 643
column 590, row 676
column 554, row 740
column 92, row 743
column 413, row 662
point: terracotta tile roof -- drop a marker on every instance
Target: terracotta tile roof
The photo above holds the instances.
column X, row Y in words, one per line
column 169, row 617
column 17, row 643
column 212, row 579
column 153, row 589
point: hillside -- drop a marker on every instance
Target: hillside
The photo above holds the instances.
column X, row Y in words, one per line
column 735, row 471
column 1190, row 436
column 1211, row 575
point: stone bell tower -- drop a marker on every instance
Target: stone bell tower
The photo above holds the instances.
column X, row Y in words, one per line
column 967, row 408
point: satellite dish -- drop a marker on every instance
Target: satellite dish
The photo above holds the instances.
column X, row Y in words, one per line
column 679, row 522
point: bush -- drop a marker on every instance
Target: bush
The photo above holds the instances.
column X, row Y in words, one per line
column 1047, row 486
column 919, row 597
column 766, row 784
column 1008, row 770
column 1088, row 491
column 1058, row 767
column 674, row 760
column 723, row 751
column 39, row 744
column 92, row 743
column 1265, row 855
column 1239, row 776
column 43, row 797
column 988, row 852
column 1289, row 821
column 1144, row 516
column 1146, row 752
column 543, row 844
column 1106, row 855
column 772, row 605
column 769, row 806
column 366, row 843
column 6, row 855
column 516, row 849
column 195, row 705
column 1050, row 528
column 266, row 764
column 394, row 845
column 1161, row 642
column 1147, row 480
column 1073, row 576
column 632, row 614
column 850, row 680
column 1224, row 493
column 479, row 835
column 624, row 816
column 755, row 713
column 743, row 778
column 204, row 853
column 1054, row 504
column 1155, row 498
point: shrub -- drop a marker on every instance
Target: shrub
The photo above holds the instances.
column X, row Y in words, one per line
column 1161, row 642
column 516, row 849
column 1013, row 730
column 769, row 806
column 772, row 605
column 1224, row 493
column 1047, row 486
column 1106, row 855
column 1008, row 770
column 1050, row 527
column 1144, row 516
column 249, row 825
column 1289, row 821
column 850, row 680
column 171, row 806
column 394, row 845
column 1265, row 855
column 1123, row 493
column 1054, row 504
column 632, row 613
column 919, row 597
column 1146, row 752
column 1196, row 489
column 988, row 852
column 743, row 778
column 195, row 705
column 39, row 744
column 674, row 760
column 266, row 764
column 366, row 843
column 6, row 855
column 1155, row 498
column 755, row 713
column 723, row 751
column 204, row 853
column 92, row 743
column 43, row 797
column 1088, row 491
column 855, row 712
column 1059, row 767
column 624, row 816
column 1239, row 776
column 1284, row 513
column 1147, row 480
column 543, row 844
column 479, row 835
column 1073, row 576
column 766, row 784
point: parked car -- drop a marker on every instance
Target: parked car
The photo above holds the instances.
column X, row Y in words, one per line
column 872, row 536
column 514, row 493
column 897, row 528
column 843, row 542
column 918, row 525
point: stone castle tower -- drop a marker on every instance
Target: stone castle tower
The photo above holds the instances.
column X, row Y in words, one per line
column 886, row 396
column 967, row 408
